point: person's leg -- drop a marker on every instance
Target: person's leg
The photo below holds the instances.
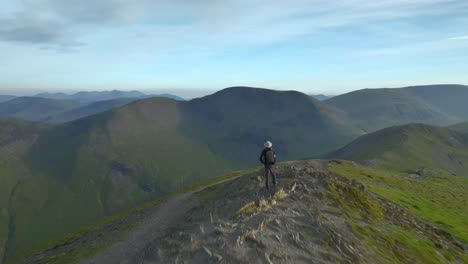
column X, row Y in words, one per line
column 266, row 177
column 273, row 176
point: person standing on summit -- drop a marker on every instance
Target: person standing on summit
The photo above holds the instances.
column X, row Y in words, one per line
column 268, row 158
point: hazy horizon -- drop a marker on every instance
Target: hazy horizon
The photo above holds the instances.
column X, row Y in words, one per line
column 316, row 47
column 185, row 93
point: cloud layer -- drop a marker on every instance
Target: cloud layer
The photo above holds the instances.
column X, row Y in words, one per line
column 57, row 22
column 266, row 43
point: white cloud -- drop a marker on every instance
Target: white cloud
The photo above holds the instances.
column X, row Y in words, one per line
column 459, row 38
column 253, row 22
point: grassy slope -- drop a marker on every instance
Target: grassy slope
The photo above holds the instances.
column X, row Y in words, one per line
column 83, row 171
column 374, row 109
column 441, row 199
column 34, row 108
column 237, row 119
column 75, row 254
column 15, row 139
column 449, row 98
column 410, row 147
column 103, row 165
column 433, row 193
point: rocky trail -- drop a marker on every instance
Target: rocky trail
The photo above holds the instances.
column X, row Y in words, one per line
column 311, row 217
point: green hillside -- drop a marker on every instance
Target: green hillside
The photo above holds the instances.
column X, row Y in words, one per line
column 15, row 139
column 440, row 199
column 413, row 147
column 80, row 172
column 421, row 168
column 238, row 118
column 34, row 108
column 449, row 98
column 374, row 109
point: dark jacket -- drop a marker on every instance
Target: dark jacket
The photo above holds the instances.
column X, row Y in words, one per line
column 262, row 155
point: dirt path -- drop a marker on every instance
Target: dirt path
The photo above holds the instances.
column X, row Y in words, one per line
column 163, row 216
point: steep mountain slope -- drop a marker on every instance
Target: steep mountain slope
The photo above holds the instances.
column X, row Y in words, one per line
column 15, row 139
column 234, row 121
column 34, row 108
column 451, row 99
column 411, row 147
column 323, row 212
column 4, row 98
column 90, row 109
column 80, row 172
column 374, row 109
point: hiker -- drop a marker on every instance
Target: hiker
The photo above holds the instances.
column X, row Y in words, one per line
column 268, row 158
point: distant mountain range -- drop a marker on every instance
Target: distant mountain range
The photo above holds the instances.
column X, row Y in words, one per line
column 4, row 98
column 135, row 150
column 60, row 107
column 87, row 97
column 34, row 108
column 321, row 97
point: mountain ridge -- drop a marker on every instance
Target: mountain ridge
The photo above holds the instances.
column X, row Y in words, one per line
column 374, row 109
column 410, row 147
column 318, row 214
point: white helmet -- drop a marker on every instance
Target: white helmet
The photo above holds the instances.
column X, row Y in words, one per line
column 268, row 144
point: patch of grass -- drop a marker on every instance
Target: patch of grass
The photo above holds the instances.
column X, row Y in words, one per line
column 399, row 244
column 350, row 196
column 441, row 199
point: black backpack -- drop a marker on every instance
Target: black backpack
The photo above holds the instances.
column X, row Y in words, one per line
column 270, row 157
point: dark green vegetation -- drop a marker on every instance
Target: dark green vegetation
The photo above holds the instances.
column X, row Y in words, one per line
column 374, row 109
column 239, row 118
column 414, row 148
column 80, row 172
column 15, row 139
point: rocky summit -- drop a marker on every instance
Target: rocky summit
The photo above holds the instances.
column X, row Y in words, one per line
column 315, row 215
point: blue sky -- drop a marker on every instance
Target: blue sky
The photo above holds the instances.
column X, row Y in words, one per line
column 192, row 47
